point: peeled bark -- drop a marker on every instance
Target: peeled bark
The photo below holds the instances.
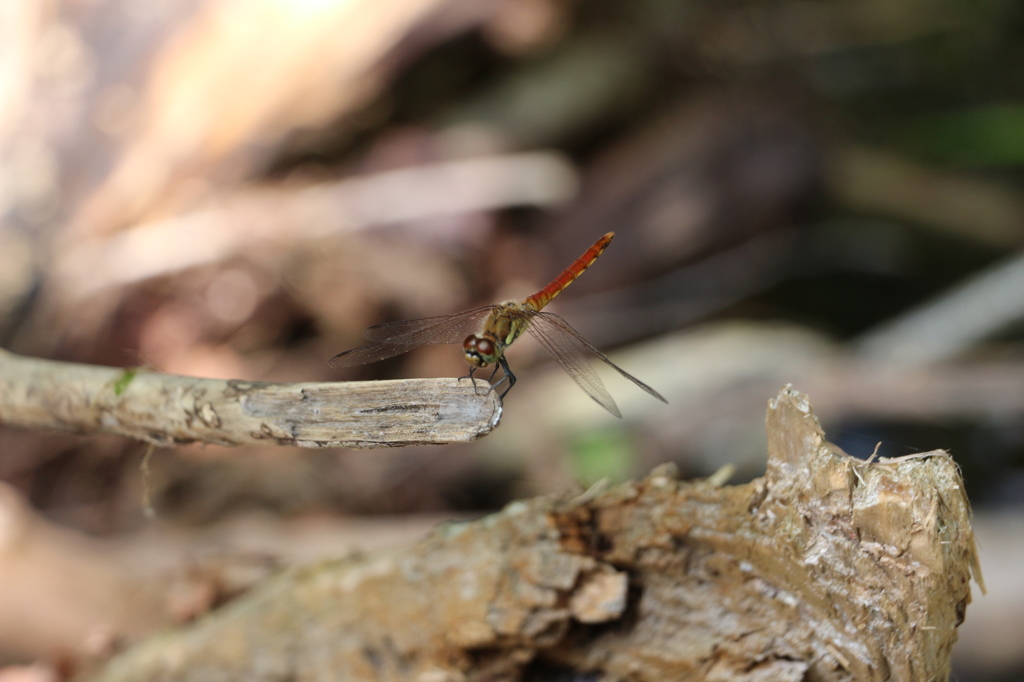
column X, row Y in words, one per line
column 826, row 568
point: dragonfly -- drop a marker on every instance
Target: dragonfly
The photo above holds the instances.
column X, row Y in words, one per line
column 486, row 332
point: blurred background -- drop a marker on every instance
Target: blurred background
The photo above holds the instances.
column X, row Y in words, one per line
column 822, row 193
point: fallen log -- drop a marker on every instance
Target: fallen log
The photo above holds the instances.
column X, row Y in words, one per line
column 826, row 568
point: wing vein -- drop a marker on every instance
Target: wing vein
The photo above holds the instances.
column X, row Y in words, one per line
column 567, row 353
column 394, row 338
column 565, row 329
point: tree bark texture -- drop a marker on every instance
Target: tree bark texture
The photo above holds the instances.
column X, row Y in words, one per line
column 826, row 568
column 165, row 409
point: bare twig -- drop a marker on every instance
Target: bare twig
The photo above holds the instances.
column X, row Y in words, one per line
column 165, row 409
column 986, row 303
column 296, row 215
column 882, row 183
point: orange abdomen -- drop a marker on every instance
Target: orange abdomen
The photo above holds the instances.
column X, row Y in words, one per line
column 544, row 296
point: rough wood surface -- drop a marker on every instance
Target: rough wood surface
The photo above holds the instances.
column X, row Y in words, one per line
column 826, row 568
column 73, row 597
column 165, row 409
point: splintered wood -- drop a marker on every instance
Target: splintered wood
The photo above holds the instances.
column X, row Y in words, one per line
column 826, row 568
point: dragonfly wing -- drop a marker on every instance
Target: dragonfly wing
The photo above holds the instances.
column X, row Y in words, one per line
column 438, row 329
column 555, row 326
column 395, row 338
column 371, row 352
column 568, row 351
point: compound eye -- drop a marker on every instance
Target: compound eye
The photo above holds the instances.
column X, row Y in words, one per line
column 485, row 346
column 471, row 351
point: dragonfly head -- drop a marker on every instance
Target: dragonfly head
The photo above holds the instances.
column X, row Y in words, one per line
column 480, row 350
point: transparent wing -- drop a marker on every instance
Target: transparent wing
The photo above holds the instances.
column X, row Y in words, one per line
column 567, row 345
column 394, row 338
column 446, row 328
column 569, row 354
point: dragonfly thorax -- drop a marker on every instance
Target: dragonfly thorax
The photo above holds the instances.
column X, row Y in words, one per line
column 480, row 350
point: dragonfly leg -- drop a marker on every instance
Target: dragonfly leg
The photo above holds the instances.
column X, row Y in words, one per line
column 500, row 381
column 508, row 375
column 470, row 377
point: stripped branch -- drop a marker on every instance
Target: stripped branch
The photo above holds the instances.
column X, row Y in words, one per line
column 164, row 409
